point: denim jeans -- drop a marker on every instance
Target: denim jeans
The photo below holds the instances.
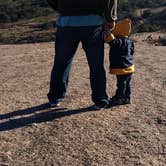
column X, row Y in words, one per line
column 123, row 86
column 66, row 44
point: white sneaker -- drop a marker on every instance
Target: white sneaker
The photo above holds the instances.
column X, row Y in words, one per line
column 54, row 104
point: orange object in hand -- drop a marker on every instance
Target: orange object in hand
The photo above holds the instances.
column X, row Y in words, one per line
column 122, row 28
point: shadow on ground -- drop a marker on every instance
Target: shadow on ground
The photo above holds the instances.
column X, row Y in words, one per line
column 49, row 115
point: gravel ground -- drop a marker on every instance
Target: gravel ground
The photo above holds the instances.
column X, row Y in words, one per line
column 32, row 134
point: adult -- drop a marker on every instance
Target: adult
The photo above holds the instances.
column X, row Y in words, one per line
column 80, row 21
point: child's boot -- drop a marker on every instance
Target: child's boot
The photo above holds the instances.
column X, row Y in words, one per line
column 127, row 101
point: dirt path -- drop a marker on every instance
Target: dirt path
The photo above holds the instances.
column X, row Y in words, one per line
column 32, row 134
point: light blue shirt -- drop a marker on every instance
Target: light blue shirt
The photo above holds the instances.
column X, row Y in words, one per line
column 77, row 21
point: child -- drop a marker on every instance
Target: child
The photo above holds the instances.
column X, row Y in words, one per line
column 121, row 61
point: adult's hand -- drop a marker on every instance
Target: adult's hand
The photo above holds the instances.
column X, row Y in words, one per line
column 110, row 25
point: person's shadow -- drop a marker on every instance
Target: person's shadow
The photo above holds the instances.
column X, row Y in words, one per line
column 48, row 115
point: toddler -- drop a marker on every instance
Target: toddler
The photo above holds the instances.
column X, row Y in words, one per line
column 121, row 61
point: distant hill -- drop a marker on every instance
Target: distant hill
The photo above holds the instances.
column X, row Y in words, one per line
column 22, row 18
column 147, row 15
column 15, row 10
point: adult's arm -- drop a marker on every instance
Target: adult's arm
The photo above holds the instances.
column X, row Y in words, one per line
column 110, row 11
column 53, row 4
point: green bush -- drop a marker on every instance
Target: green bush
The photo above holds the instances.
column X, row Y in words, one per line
column 14, row 10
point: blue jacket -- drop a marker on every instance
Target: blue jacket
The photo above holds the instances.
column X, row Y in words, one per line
column 121, row 56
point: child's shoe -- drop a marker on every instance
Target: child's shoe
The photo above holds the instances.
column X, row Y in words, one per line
column 127, row 101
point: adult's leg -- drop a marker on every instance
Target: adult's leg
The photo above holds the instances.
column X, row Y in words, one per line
column 65, row 48
column 93, row 45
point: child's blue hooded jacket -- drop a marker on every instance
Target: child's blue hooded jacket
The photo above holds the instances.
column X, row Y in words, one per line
column 121, row 56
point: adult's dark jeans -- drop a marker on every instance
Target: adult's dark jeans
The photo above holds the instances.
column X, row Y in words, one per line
column 123, row 86
column 67, row 40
